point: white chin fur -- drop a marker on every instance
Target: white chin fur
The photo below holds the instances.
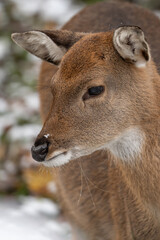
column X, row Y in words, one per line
column 128, row 145
column 59, row 160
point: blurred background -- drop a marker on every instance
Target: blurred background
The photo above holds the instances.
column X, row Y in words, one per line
column 27, row 190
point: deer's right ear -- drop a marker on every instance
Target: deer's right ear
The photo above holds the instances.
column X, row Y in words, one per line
column 130, row 43
column 47, row 45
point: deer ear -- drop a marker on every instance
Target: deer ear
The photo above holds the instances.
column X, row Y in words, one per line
column 47, row 45
column 130, row 43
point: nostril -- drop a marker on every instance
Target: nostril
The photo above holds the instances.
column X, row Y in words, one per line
column 40, row 148
column 41, row 141
column 39, row 152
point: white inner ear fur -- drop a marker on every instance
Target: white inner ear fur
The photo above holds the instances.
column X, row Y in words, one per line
column 128, row 145
column 39, row 44
column 130, row 45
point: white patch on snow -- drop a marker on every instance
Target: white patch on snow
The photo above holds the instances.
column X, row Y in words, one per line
column 24, row 132
column 10, row 167
column 31, row 218
column 49, row 10
column 33, row 207
column 4, row 106
column 29, row 8
column 32, row 101
column 60, row 11
column 4, row 47
column 25, row 163
column 16, row 109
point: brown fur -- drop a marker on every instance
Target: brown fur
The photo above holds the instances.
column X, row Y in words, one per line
column 105, row 197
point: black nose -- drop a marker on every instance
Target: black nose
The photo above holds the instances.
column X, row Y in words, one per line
column 40, row 149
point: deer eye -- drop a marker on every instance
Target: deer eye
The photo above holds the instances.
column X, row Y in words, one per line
column 93, row 91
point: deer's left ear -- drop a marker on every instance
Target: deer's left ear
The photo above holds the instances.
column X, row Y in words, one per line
column 130, row 43
column 47, row 45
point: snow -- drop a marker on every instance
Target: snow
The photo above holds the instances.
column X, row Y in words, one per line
column 4, row 47
column 17, row 109
column 3, row 104
column 29, row 131
column 60, row 10
column 31, row 101
column 30, row 218
column 10, row 167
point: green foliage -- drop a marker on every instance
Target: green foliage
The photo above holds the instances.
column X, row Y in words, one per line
column 22, row 189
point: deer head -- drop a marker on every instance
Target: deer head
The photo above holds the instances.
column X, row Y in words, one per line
column 103, row 93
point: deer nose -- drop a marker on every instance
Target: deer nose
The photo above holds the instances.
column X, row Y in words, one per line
column 40, row 149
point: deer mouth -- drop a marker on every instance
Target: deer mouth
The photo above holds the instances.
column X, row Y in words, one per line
column 61, row 157
column 58, row 158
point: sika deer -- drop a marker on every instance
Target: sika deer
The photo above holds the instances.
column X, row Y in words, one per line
column 101, row 108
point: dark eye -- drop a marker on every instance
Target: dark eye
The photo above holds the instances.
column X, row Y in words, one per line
column 93, row 91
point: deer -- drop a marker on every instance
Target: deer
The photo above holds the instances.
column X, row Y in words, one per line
column 99, row 91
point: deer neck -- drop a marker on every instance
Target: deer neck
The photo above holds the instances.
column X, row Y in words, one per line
column 142, row 175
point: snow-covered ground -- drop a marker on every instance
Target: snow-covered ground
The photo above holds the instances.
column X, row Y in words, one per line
column 30, row 218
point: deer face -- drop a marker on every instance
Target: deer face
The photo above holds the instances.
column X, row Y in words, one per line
column 100, row 92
